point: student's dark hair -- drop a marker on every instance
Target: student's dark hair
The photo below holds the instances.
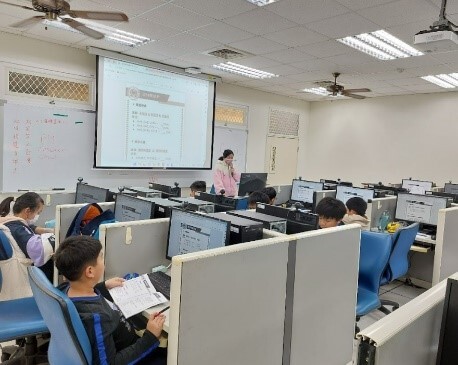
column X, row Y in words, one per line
column 28, row 200
column 270, row 192
column 331, row 208
column 199, row 185
column 74, row 254
column 258, row 197
column 358, row 205
column 225, row 154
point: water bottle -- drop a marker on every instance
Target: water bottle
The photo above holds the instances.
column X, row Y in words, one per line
column 385, row 218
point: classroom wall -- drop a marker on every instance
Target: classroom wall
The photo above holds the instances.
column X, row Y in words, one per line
column 44, row 57
column 383, row 139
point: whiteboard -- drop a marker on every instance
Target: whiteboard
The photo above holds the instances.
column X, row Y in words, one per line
column 45, row 147
column 233, row 139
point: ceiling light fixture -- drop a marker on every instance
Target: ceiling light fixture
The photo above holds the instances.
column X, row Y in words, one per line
column 321, row 91
column 244, row 70
column 261, row 2
column 380, row 44
column 449, row 81
column 111, row 34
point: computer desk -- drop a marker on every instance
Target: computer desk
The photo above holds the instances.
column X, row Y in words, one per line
column 158, row 308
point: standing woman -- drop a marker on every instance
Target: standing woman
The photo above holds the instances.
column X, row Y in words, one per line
column 225, row 177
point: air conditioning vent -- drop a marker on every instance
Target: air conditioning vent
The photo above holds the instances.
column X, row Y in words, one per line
column 227, row 53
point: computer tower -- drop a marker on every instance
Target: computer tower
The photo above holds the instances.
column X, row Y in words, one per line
column 269, row 222
column 146, row 192
column 273, row 210
column 224, row 203
column 242, row 229
column 195, row 205
column 299, row 221
column 162, row 207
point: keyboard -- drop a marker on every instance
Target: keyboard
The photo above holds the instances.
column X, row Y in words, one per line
column 161, row 282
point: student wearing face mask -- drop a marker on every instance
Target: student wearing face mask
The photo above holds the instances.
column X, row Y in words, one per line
column 36, row 243
column 225, row 177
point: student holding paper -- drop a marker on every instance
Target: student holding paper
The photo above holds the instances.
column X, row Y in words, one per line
column 112, row 336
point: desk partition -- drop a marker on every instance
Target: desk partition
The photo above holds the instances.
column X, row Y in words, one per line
column 407, row 336
column 379, row 205
column 135, row 246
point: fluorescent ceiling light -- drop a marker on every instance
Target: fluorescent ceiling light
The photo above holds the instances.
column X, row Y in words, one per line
column 321, row 91
column 244, row 70
column 449, row 81
column 111, row 34
column 261, row 2
column 380, row 44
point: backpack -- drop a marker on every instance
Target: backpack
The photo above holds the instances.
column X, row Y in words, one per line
column 88, row 219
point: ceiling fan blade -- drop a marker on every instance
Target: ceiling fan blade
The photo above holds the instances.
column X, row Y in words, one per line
column 18, row 6
column 365, row 90
column 82, row 28
column 28, row 22
column 354, row 96
column 98, row 15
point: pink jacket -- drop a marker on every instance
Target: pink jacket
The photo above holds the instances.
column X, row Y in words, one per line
column 223, row 179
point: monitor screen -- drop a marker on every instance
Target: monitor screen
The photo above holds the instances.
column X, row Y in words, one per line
column 90, row 194
column 192, row 232
column 346, row 192
column 419, row 208
column 128, row 208
column 250, row 182
column 451, row 188
column 152, row 118
column 417, row 186
column 302, row 190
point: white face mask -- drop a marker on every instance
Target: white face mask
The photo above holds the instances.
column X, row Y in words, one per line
column 33, row 220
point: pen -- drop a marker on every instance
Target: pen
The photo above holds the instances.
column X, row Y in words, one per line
column 162, row 311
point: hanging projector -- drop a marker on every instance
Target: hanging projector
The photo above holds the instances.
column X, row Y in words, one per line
column 441, row 37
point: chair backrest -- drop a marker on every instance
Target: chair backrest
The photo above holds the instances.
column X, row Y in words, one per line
column 373, row 257
column 398, row 264
column 69, row 342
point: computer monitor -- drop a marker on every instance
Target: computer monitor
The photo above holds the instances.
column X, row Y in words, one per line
column 420, row 208
column 447, row 351
column 302, row 190
column 192, row 232
column 451, row 188
column 453, row 197
column 166, row 189
column 128, row 208
column 417, row 186
column 90, row 194
column 250, row 182
column 346, row 192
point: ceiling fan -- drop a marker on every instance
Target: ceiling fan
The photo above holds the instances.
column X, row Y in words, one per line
column 59, row 10
column 336, row 89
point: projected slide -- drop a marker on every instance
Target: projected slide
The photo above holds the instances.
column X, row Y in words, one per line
column 150, row 118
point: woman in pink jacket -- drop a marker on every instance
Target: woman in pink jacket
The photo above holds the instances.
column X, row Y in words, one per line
column 225, row 177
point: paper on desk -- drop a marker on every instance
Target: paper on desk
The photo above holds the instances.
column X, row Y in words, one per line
column 136, row 295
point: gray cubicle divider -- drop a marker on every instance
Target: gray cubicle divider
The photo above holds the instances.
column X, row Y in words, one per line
column 134, row 246
column 407, row 336
column 377, row 206
column 228, row 305
column 266, row 233
column 324, row 302
column 446, row 250
column 323, row 194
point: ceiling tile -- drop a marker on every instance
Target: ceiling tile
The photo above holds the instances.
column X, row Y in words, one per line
column 318, row 64
column 131, row 8
column 325, row 49
column 110, row 46
column 217, row 9
column 352, row 59
column 399, row 12
column 17, row 12
column 148, row 29
column 258, row 45
column 192, row 42
column 428, row 70
column 56, row 34
column 289, row 55
column 297, row 36
column 303, row 12
column 406, row 32
column 283, row 70
column 259, row 21
column 309, row 76
column 446, row 57
column 343, row 26
column 222, row 33
column 199, row 59
column 176, row 17
column 256, row 62
column 146, row 54
column 362, row 4
column 408, row 81
column 452, row 6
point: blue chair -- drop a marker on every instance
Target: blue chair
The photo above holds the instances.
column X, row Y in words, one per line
column 19, row 319
column 69, row 342
column 398, row 263
column 374, row 253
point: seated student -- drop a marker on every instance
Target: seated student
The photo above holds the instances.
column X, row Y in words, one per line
column 21, row 224
column 198, row 185
column 257, row 197
column 330, row 212
column 356, row 212
column 271, row 193
column 112, row 337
